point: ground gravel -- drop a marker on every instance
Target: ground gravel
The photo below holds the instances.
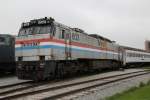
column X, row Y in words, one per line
column 100, row 93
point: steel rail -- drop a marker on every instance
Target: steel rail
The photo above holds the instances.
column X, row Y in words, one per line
column 64, row 86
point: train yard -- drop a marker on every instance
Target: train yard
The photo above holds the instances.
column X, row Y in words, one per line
column 45, row 51
column 59, row 89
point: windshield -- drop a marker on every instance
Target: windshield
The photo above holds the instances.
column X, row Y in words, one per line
column 36, row 30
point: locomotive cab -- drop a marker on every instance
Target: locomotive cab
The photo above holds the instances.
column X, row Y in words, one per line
column 41, row 26
column 31, row 55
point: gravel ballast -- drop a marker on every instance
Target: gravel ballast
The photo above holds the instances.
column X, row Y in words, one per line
column 100, row 93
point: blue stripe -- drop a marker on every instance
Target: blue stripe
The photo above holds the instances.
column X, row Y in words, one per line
column 48, row 46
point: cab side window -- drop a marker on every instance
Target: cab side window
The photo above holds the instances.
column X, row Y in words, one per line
column 75, row 36
column 63, row 34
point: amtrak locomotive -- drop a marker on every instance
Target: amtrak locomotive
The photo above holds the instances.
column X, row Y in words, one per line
column 7, row 53
column 46, row 49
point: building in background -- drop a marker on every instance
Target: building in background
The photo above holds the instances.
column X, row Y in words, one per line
column 147, row 45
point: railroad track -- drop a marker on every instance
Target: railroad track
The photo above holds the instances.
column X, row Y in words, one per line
column 53, row 91
column 8, row 89
column 12, row 87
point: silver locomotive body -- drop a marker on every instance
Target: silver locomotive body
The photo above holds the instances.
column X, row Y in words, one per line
column 45, row 49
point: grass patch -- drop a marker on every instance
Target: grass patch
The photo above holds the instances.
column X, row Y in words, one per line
column 146, row 67
column 136, row 93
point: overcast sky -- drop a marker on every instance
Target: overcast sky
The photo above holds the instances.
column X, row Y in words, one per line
column 125, row 21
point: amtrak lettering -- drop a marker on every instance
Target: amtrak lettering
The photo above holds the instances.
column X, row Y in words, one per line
column 30, row 44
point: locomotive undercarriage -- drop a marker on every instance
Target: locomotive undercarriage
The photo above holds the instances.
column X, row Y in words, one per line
column 43, row 70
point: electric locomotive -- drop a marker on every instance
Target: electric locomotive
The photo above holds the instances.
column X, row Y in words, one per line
column 7, row 53
column 46, row 49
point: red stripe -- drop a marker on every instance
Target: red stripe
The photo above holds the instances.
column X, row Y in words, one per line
column 60, row 41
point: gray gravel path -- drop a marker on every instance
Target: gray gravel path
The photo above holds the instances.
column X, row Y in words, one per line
column 10, row 80
column 100, row 93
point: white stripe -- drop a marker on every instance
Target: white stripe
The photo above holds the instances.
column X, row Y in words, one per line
column 17, row 45
column 51, row 43
column 76, row 47
column 72, row 46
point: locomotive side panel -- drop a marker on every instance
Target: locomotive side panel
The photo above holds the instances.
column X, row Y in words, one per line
column 6, row 48
column 7, row 52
